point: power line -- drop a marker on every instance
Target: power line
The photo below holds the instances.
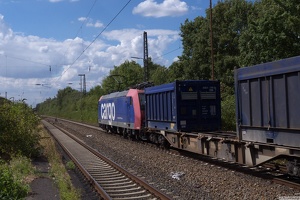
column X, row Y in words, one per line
column 86, row 18
column 95, row 38
column 83, row 22
column 170, row 51
column 167, row 53
column 13, row 57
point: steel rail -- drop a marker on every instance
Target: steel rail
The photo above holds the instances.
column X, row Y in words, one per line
column 86, row 174
column 92, row 179
column 235, row 166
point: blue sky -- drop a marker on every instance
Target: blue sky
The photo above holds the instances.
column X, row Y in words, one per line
column 36, row 35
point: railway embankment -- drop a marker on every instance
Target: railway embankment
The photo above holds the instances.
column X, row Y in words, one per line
column 178, row 176
column 30, row 166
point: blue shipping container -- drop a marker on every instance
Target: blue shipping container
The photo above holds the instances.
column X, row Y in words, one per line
column 267, row 102
column 184, row 106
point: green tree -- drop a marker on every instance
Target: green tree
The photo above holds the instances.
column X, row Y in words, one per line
column 122, row 77
column 195, row 60
column 96, row 91
column 61, row 94
column 18, row 130
column 230, row 20
column 175, row 71
column 159, row 75
column 273, row 32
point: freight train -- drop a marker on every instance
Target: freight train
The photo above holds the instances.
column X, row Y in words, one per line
column 187, row 115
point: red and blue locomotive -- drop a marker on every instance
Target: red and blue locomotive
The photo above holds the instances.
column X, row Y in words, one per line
column 122, row 112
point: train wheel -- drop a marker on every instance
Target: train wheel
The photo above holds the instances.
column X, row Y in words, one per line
column 153, row 138
column 114, row 130
column 125, row 133
column 163, row 142
column 136, row 135
column 130, row 134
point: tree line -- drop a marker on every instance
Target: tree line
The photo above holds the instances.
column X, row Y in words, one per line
column 245, row 33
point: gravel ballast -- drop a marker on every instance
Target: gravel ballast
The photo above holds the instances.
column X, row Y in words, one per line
column 178, row 176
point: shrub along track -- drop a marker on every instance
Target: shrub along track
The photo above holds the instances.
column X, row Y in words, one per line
column 109, row 179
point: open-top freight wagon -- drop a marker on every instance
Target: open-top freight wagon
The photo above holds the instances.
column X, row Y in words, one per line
column 268, row 111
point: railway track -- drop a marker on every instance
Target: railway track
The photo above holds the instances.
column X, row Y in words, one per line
column 109, row 179
column 254, row 171
column 280, row 176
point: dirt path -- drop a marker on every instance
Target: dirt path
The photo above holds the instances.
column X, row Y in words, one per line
column 43, row 187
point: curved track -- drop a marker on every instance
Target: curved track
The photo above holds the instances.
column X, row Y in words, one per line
column 109, row 179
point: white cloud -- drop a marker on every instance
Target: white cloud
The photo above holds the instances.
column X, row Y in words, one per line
column 131, row 43
column 82, row 19
column 5, row 32
column 27, row 60
column 44, row 49
column 97, row 24
column 150, row 8
column 90, row 22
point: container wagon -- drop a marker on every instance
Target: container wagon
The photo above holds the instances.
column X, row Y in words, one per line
column 267, row 109
column 184, row 106
column 181, row 110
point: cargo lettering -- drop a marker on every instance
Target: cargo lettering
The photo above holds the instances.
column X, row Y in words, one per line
column 108, row 111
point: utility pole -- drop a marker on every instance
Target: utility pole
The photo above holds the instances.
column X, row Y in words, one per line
column 82, row 83
column 211, row 42
column 82, row 90
column 146, row 71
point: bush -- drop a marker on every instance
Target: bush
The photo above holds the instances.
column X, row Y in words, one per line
column 12, row 178
column 18, row 130
column 70, row 165
column 228, row 113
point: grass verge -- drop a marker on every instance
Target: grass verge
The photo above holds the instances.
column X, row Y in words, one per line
column 58, row 171
column 14, row 177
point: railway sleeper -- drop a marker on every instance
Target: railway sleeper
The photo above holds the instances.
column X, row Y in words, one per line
column 120, row 187
column 115, row 184
column 98, row 167
column 113, row 181
column 110, row 178
column 123, row 190
column 112, row 173
column 101, row 170
column 100, row 174
column 109, row 175
column 129, row 194
column 137, row 197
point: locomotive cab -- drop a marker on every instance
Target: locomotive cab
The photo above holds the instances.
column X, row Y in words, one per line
column 121, row 112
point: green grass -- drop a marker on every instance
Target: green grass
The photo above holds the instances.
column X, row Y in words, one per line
column 58, row 170
column 14, row 178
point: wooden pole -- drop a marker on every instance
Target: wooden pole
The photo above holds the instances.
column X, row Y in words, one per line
column 211, row 42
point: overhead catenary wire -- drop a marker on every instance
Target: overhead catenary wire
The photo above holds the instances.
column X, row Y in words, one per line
column 79, row 30
column 26, row 60
column 77, row 33
column 86, row 17
column 167, row 53
column 113, row 19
